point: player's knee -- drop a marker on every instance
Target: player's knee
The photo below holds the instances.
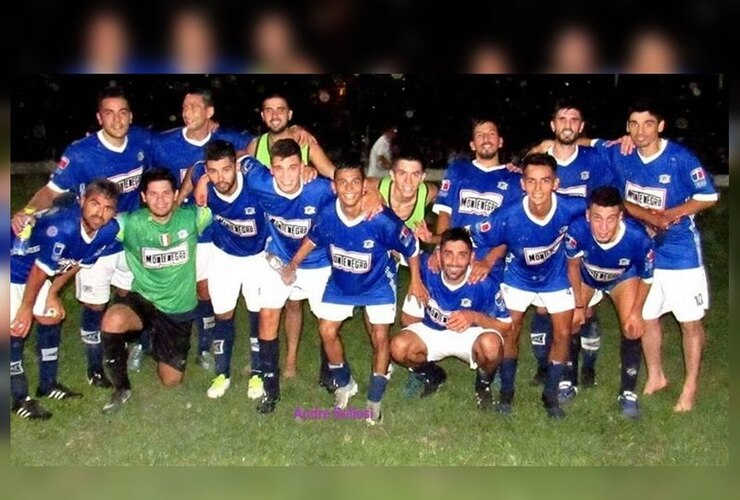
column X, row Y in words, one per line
column 328, row 332
column 115, row 320
column 170, row 377
column 490, row 346
column 224, row 316
column 94, row 307
column 400, row 347
column 47, row 320
column 294, row 307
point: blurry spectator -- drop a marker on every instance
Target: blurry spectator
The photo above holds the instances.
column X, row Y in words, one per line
column 380, row 160
column 574, row 49
column 652, row 50
column 193, row 45
column 274, row 45
column 106, row 43
column 488, row 58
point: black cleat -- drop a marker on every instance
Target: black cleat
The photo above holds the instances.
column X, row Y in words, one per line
column 98, row 379
column 552, row 407
column 539, row 377
column 504, row 405
column 117, row 400
column 328, row 383
column 30, row 408
column 433, row 385
column 484, row 399
column 267, row 404
column 58, row 391
column 588, row 377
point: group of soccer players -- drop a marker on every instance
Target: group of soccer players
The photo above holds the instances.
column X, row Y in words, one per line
column 577, row 220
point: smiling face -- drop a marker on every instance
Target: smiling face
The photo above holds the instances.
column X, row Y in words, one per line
column 348, row 184
column 276, row 114
column 407, row 175
column 567, row 125
column 97, row 211
column 604, row 222
column 196, row 113
column 486, row 141
column 539, row 182
column 114, row 116
column 160, row 197
column 456, row 256
column 287, row 172
column 644, row 128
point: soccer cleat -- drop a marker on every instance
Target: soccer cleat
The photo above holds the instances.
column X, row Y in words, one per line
column 256, row 387
column 566, row 393
column 135, row 358
column 539, row 377
column 218, row 387
column 375, row 416
column 267, row 404
column 588, row 377
column 58, row 391
column 205, row 360
column 433, row 385
column 629, row 405
column 414, row 385
column 484, row 399
column 327, row 382
column 504, row 406
column 98, row 379
column 552, row 407
column 342, row 394
column 30, row 408
column 117, row 400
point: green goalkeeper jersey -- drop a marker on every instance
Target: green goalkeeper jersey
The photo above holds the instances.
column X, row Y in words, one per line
column 162, row 256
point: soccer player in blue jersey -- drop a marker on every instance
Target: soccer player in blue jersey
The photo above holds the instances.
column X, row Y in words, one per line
column 536, row 273
column 460, row 319
column 178, row 150
column 612, row 255
column 664, row 185
column 62, row 242
column 237, row 259
column 364, row 274
column 581, row 169
column 120, row 153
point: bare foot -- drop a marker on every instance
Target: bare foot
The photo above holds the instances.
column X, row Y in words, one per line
column 685, row 401
column 653, row 386
column 289, row 371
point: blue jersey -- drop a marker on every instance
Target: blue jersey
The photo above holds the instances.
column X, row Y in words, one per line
column 444, row 299
column 535, row 259
column 583, row 172
column 58, row 243
column 603, row 266
column 363, row 272
column 289, row 216
column 470, row 193
column 238, row 226
column 668, row 179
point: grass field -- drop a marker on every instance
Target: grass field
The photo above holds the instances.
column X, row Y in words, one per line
column 183, row 427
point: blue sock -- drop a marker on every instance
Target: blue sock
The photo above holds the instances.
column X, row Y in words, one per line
column 508, row 376
column 377, row 386
column 18, row 382
column 145, row 340
column 270, row 352
column 571, row 367
column 590, row 342
column 255, row 364
column 340, row 373
column 48, row 338
column 541, row 336
column 223, row 346
column 90, row 331
column 554, row 375
column 630, row 352
column 204, row 323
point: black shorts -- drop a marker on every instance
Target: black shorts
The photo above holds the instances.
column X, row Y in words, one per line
column 170, row 332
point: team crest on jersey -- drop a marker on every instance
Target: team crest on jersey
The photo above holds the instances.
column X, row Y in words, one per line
column 466, row 303
column 484, row 226
column 368, row 244
column 445, row 185
column 309, row 210
column 697, row 175
column 585, row 175
column 249, row 211
column 570, row 242
column 406, row 235
column 624, row 262
column 664, row 178
column 51, row 231
column 182, row 234
column 57, row 250
column 63, row 162
column 503, row 186
column 140, row 156
column 165, row 239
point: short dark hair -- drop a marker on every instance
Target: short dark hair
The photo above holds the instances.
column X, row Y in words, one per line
column 480, row 120
column 107, row 188
column 407, row 151
column 646, row 104
column 568, row 102
column 218, row 149
column 456, row 234
column 349, row 166
column 274, row 96
column 205, row 93
column 157, row 174
column 539, row 159
column 111, row 91
column 284, row 148
column 605, row 196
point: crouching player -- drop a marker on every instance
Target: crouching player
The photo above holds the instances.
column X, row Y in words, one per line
column 460, row 319
column 62, row 242
column 613, row 255
column 362, row 274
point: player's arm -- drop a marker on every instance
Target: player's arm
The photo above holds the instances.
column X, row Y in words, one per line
column 302, row 136
column 321, row 161
column 251, row 148
column 432, row 191
column 54, row 306
column 576, row 283
column 690, row 207
column 21, row 324
column 482, row 268
column 187, row 185
column 288, row 273
column 443, row 224
column 41, row 200
column 416, row 286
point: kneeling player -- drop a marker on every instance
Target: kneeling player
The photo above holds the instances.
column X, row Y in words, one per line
column 460, row 319
column 615, row 256
column 362, row 274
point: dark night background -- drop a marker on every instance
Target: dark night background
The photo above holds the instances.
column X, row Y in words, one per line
column 347, row 112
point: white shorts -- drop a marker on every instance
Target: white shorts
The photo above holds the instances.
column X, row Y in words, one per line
column 229, row 274
column 684, row 292
column 383, row 314
column 203, row 259
column 445, row 343
column 16, row 297
column 309, row 284
column 555, row 302
column 93, row 283
column 412, row 307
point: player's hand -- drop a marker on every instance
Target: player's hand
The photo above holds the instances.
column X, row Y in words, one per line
column 423, row 233
column 626, row 145
column 19, row 220
column 371, row 203
column 542, row 147
column 309, row 174
column 661, row 220
column 435, row 261
column 459, row 321
column 634, row 327
column 302, row 136
column 513, row 168
column 479, row 270
column 419, row 292
column 200, row 192
column 54, row 308
column 579, row 318
column 212, row 125
column 288, row 273
column 21, row 324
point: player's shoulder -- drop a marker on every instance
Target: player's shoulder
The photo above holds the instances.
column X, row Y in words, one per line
column 457, row 166
column 320, row 185
column 59, row 221
column 680, row 153
column 139, row 134
column 635, row 229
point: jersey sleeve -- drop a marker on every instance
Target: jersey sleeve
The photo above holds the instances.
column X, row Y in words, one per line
column 491, row 231
column 646, row 260
column 199, row 170
column 121, row 219
column 68, row 173
column 573, row 240
column 51, row 240
column 696, row 180
column 397, row 236
column 447, row 192
column 318, row 234
column 203, row 218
